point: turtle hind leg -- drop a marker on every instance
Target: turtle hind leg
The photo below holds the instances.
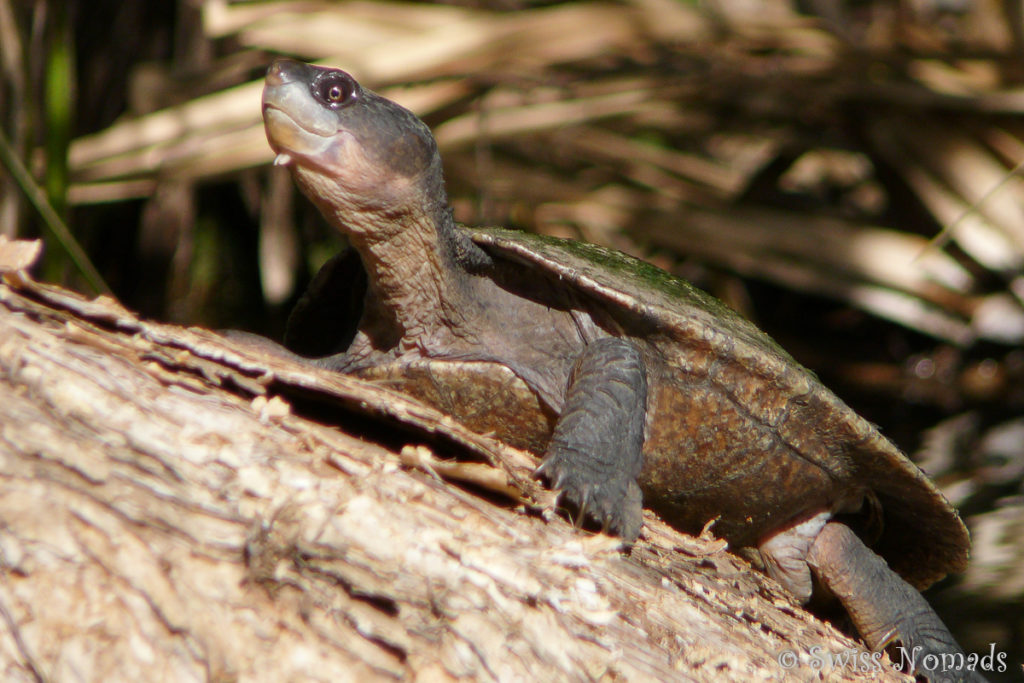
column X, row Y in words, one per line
column 784, row 554
column 595, row 453
column 886, row 610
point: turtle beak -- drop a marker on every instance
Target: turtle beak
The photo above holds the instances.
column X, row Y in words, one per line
column 295, row 122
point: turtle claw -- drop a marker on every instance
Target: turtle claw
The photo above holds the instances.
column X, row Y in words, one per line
column 616, row 503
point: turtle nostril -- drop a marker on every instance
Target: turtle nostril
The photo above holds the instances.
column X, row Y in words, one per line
column 274, row 73
column 281, row 70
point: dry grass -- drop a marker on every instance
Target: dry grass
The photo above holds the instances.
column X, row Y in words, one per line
column 655, row 118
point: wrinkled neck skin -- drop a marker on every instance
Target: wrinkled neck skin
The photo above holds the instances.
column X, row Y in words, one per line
column 417, row 283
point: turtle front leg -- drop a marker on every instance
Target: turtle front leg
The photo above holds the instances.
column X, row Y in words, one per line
column 885, row 609
column 595, row 453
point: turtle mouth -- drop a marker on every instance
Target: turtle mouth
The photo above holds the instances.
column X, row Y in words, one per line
column 276, row 120
column 292, row 101
column 279, row 127
column 295, row 124
column 298, row 144
column 285, row 133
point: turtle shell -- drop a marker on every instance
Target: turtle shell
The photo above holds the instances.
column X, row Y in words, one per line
column 736, row 428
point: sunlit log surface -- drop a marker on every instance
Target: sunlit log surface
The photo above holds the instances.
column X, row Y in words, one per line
column 169, row 512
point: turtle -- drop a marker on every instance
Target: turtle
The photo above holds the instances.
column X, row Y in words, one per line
column 634, row 387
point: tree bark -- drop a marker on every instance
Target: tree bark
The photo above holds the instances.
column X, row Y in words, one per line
column 175, row 506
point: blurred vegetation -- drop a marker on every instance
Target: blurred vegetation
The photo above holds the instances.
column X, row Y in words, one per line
column 846, row 173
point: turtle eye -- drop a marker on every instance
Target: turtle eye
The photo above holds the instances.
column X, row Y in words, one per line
column 335, row 89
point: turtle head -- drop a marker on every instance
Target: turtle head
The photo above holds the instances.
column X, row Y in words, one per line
column 351, row 151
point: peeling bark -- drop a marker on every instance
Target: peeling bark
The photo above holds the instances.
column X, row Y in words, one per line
column 175, row 506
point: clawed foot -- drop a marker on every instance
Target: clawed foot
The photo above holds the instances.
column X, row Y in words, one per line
column 616, row 503
column 595, row 452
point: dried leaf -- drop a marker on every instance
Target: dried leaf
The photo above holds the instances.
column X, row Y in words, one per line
column 18, row 254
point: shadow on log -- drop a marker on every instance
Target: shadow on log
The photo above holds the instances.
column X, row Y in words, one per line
column 174, row 507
